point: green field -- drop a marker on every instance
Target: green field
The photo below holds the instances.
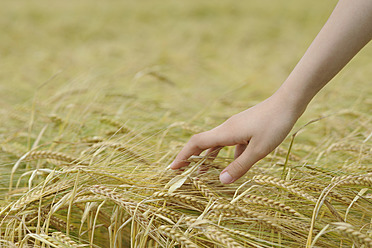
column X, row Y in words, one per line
column 107, row 92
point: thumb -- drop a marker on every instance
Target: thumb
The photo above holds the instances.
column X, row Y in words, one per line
column 240, row 166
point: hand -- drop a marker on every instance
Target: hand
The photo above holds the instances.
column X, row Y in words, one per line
column 255, row 132
column 258, row 130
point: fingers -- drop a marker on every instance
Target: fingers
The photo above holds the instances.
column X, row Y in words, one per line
column 197, row 144
column 241, row 164
column 239, row 149
column 211, row 154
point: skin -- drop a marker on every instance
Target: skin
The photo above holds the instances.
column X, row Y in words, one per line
column 258, row 130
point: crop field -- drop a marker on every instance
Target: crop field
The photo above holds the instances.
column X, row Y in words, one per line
column 98, row 97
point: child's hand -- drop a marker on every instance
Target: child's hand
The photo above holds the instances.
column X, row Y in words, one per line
column 255, row 132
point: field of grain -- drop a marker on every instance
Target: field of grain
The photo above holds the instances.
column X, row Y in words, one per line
column 97, row 98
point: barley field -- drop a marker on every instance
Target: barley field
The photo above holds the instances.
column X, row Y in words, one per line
column 97, row 98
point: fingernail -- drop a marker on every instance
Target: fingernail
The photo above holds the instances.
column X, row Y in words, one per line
column 170, row 166
column 226, row 178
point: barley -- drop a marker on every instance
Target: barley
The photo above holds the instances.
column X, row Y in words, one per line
column 350, row 148
column 204, row 189
column 358, row 168
column 238, row 211
column 13, row 148
column 121, row 128
column 94, row 139
column 189, row 201
column 353, row 180
column 169, row 214
column 220, row 237
column 282, row 152
column 268, row 180
column 129, row 206
column 38, row 193
column 350, row 232
column 318, row 188
column 243, row 234
column 53, row 155
column 177, row 235
column 187, row 127
column 88, row 198
column 122, row 148
column 56, row 119
column 255, row 199
column 59, row 224
column 61, row 237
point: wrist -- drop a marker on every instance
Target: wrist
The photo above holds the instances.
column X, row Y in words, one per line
column 291, row 100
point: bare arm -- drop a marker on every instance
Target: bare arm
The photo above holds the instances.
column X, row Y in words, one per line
column 259, row 130
column 348, row 29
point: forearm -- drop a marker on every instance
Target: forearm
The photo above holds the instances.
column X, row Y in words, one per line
column 348, row 29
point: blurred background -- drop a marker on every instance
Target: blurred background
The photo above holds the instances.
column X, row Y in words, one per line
column 184, row 54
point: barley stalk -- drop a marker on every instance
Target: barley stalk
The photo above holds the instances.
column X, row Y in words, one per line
column 36, row 194
column 238, row 211
column 333, row 194
column 353, row 180
column 61, row 237
column 283, row 152
column 129, row 206
column 268, row 180
column 350, row 148
column 169, row 214
column 34, row 155
column 350, row 232
column 204, row 189
column 177, row 236
column 220, row 237
column 255, row 199
column 122, row 148
column 179, row 198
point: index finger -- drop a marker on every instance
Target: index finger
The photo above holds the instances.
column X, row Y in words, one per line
column 196, row 145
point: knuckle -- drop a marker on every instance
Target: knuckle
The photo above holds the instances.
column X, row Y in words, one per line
column 195, row 138
column 230, row 121
column 260, row 152
column 238, row 167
